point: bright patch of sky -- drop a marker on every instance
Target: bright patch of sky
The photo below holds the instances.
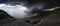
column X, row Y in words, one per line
column 51, row 9
column 15, row 11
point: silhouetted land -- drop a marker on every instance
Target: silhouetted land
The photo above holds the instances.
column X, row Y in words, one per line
column 48, row 18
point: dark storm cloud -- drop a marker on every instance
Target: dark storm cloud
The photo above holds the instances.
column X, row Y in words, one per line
column 45, row 4
column 13, row 1
column 30, row 3
column 34, row 6
column 3, row 1
column 49, row 3
column 39, row 4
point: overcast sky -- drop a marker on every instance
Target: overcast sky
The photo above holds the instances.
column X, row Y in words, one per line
column 16, row 8
column 16, row 11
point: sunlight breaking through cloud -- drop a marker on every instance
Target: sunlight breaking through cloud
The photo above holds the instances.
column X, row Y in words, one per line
column 15, row 11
